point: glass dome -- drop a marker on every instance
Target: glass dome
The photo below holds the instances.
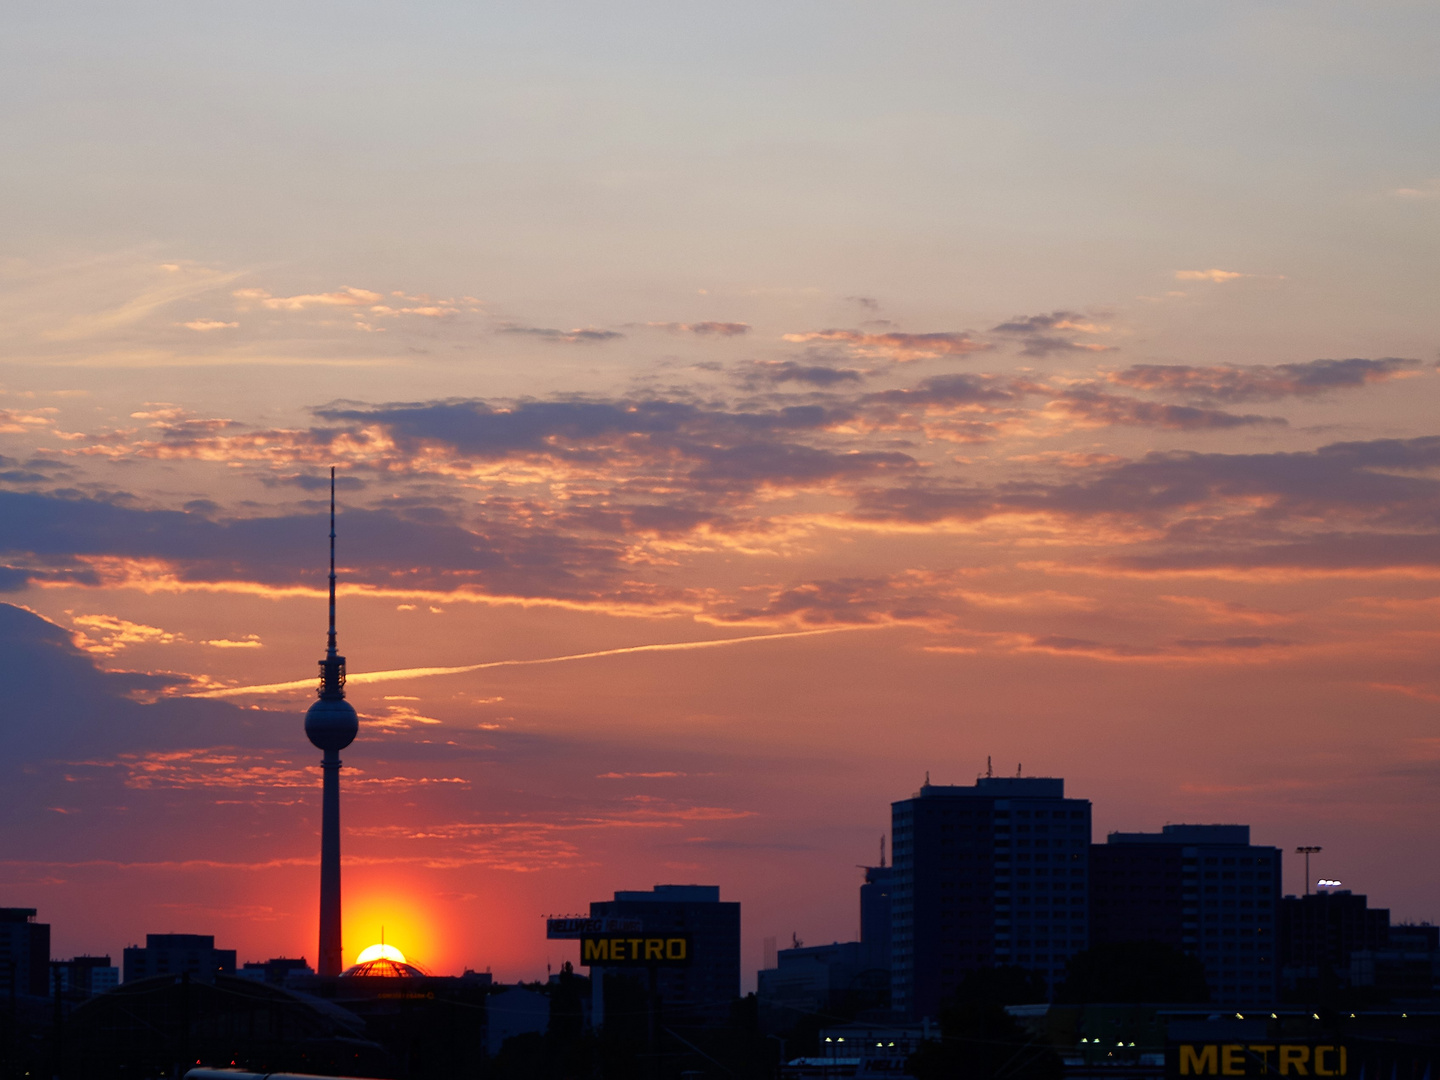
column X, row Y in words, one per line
column 383, row 968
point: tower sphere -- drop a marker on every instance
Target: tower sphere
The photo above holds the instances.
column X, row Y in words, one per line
column 331, row 723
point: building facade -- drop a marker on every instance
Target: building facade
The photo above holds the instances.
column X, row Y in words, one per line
column 711, row 982
column 178, row 954
column 1203, row 889
column 24, row 952
column 986, row 875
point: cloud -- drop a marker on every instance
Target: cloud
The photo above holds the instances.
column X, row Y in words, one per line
column 1219, row 277
column 1180, row 650
column 1359, row 507
column 584, row 335
column 949, row 391
column 897, row 346
column 776, row 372
column 852, row 602
column 704, row 329
column 204, row 325
column 345, row 297
column 111, row 634
column 1092, row 408
column 1430, row 191
column 1055, row 320
column 1261, row 383
column 1038, row 337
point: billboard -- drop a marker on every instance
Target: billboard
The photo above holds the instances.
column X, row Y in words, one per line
column 635, row 950
column 572, row 928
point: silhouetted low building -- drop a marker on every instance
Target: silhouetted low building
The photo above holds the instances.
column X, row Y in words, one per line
column 813, row 980
column 163, row 1025
column 24, row 952
column 1319, row 933
column 1407, row 968
column 514, row 1010
column 178, row 954
column 87, row 975
column 277, row 971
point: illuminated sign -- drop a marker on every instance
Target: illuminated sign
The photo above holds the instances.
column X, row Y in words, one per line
column 1307, row 1059
column 635, row 950
column 567, row 929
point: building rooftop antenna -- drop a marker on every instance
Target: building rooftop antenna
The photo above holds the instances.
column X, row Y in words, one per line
column 989, row 767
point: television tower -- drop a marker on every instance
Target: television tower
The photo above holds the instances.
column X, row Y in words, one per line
column 331, row 724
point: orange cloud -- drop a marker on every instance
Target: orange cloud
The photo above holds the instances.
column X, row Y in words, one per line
column 898, row 346
column 345, row 297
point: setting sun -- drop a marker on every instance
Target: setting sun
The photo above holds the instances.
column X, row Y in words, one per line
column 380, row 952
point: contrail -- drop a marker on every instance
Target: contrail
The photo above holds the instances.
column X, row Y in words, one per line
column 425, row 672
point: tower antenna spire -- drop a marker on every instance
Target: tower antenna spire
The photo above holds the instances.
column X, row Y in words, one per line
column 330, row 641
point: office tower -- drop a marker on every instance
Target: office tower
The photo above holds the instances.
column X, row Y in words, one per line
column 1320, row 931
column 986, row 875
column 875, row 917
column 712, row 980
column 176, row 954
column 1203, row 889
column 331, row 724
column 24, row 952
column 87, row 975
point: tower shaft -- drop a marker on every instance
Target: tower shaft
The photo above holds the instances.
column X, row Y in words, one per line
column 331, row 960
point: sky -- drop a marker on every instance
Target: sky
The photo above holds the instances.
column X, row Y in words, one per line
column 740, row 412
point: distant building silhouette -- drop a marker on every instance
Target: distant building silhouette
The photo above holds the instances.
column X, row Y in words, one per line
column 1320, row 932
column 24, row 952
column 985, row 875
column 1203, row 889
column 87, row 976
column 712, row 981
column 176, row 954
column 813, row 980
column 875, row 914
column 1408, row 967
column 277, row 971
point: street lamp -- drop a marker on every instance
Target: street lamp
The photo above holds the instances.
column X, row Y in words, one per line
column 1307, row 851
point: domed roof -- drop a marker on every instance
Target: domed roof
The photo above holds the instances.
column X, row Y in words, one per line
column 383, row 968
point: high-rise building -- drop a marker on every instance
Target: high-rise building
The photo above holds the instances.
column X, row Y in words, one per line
column 986, row 875
column 331, row 724
column 24, row 952
column 1203, row 889
column 711, row 982
column 177, row 954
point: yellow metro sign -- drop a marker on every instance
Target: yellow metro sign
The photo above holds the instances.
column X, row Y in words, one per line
column 635, row 950
column 1261, row 1059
